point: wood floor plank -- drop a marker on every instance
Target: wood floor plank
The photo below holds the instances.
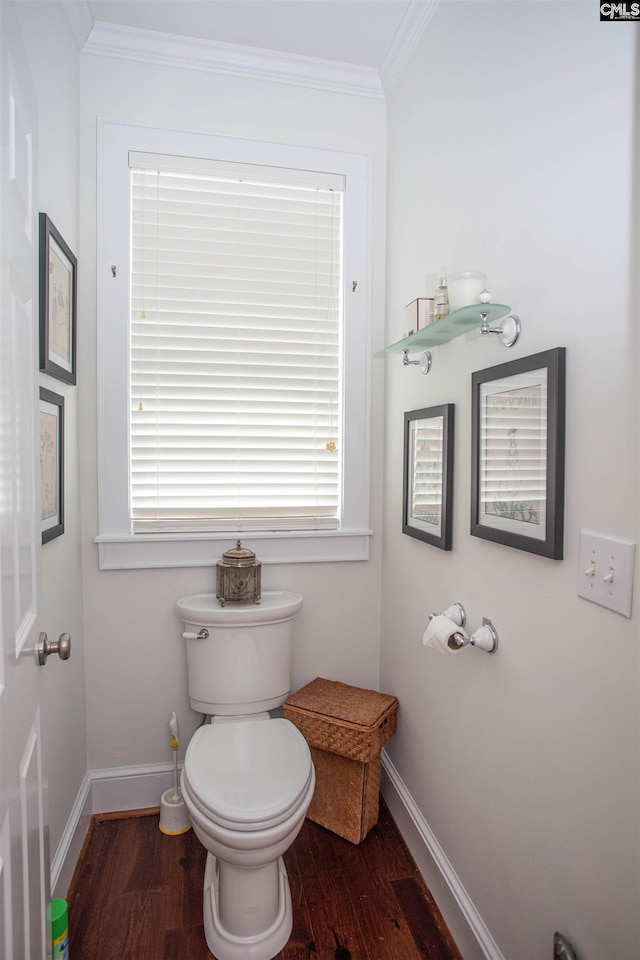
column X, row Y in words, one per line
column 137, row 895
column 187, row 943
column 335, row 922
column 300, row 945
column 388, row 854
column 428, row 931
column 389, row 937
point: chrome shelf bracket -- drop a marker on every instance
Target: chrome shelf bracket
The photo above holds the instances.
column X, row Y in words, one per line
column 508, row 332
column 424, row 361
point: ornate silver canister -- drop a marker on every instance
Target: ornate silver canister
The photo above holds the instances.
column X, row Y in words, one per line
column 238, row 576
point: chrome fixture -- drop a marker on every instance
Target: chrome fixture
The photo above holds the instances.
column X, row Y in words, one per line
column 508, row 332
column 455, row 612
column 563, row 949
column 424, row 362
column 458, row 614
column 484, row 638
column 61, row 646
column 202, row 634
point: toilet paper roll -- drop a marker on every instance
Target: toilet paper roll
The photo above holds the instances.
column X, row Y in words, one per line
column 439, row 634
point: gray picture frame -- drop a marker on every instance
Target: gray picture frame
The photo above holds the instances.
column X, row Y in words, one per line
column 51, row 465
column 427, row 502
column 58, row 269
column 518, row 453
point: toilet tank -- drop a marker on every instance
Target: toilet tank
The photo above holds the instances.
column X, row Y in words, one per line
column 244, row 665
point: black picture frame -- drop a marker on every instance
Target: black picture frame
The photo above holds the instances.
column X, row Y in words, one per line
column 427, row 501
column 58, row 304
column 518, row 455
column 51, row 465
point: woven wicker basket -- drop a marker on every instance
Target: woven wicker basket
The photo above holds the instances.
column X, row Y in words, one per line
column 345, row 728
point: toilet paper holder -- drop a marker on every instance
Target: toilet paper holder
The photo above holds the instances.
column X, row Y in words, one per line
column 484, row 638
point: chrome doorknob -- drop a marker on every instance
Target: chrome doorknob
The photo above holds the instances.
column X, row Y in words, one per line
column 61, row 646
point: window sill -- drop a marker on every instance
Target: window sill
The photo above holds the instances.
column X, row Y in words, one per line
column 145, row 551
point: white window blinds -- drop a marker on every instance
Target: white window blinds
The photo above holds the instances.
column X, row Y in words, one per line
column 235, row 351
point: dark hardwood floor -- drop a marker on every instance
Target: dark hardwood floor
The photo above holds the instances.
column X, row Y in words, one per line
column 137, row 895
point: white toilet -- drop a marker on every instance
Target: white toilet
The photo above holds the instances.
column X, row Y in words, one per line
column 248, row 779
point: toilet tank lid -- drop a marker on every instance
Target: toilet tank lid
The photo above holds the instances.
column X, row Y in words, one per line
column 205, row 609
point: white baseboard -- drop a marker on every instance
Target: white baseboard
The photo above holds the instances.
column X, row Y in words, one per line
column 129, row 788
column 105, row 791
column 467, row 927
column 64, row 862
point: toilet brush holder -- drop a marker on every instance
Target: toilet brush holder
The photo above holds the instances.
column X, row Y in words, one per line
column 174, row 818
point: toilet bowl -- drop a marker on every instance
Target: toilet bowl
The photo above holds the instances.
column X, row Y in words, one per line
column 247, row 785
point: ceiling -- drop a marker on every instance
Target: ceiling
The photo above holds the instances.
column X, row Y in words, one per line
column 359, row 32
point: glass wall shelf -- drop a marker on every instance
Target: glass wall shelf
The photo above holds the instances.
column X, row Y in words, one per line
column 453, row 325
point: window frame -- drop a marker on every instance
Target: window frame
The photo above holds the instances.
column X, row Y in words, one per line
column 118, row 547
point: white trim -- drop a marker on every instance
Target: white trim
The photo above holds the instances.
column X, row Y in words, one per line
column 105, row 791
column 159, row 551
column 413, row 25
column 130, row 788
column 231, row 59
column 151, row 46
column 467, row 927
column 117, row 548
column 80, row 18
column 66, row 856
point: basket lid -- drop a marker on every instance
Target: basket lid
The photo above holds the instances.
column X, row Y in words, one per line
column 343, row 702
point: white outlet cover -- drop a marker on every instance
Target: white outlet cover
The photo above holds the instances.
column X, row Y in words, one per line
column 605, row 571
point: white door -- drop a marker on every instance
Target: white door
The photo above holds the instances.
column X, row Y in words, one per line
column 24, row 858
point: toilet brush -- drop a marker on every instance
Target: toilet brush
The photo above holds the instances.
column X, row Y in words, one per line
column 173, row 814
column 173, row 726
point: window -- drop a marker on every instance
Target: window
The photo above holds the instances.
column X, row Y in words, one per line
column 232, row 349
column 235, row 347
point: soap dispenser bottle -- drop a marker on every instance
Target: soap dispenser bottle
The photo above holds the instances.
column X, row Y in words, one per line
column 441, row 298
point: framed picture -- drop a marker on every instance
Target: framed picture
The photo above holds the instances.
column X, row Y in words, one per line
column 517, row 453
column 427, row 507
column 51, row 464
column 58, row 300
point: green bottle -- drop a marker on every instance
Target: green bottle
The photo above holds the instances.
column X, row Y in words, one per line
column 59, row 926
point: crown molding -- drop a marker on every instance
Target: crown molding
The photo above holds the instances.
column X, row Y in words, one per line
column 79, row 15
column 407, row 36
column 150, row 46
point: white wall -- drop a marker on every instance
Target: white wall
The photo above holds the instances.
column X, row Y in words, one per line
column 54, row 61
column 136, row 671
column 511, row 150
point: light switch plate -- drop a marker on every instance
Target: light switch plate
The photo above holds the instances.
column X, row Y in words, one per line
column 605, row 573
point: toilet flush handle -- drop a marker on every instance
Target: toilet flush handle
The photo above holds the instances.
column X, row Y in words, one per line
column 202, row 634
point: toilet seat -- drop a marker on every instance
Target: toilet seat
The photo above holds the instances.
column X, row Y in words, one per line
column 248, row 775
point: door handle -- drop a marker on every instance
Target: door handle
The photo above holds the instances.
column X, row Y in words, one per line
column 61, row 646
